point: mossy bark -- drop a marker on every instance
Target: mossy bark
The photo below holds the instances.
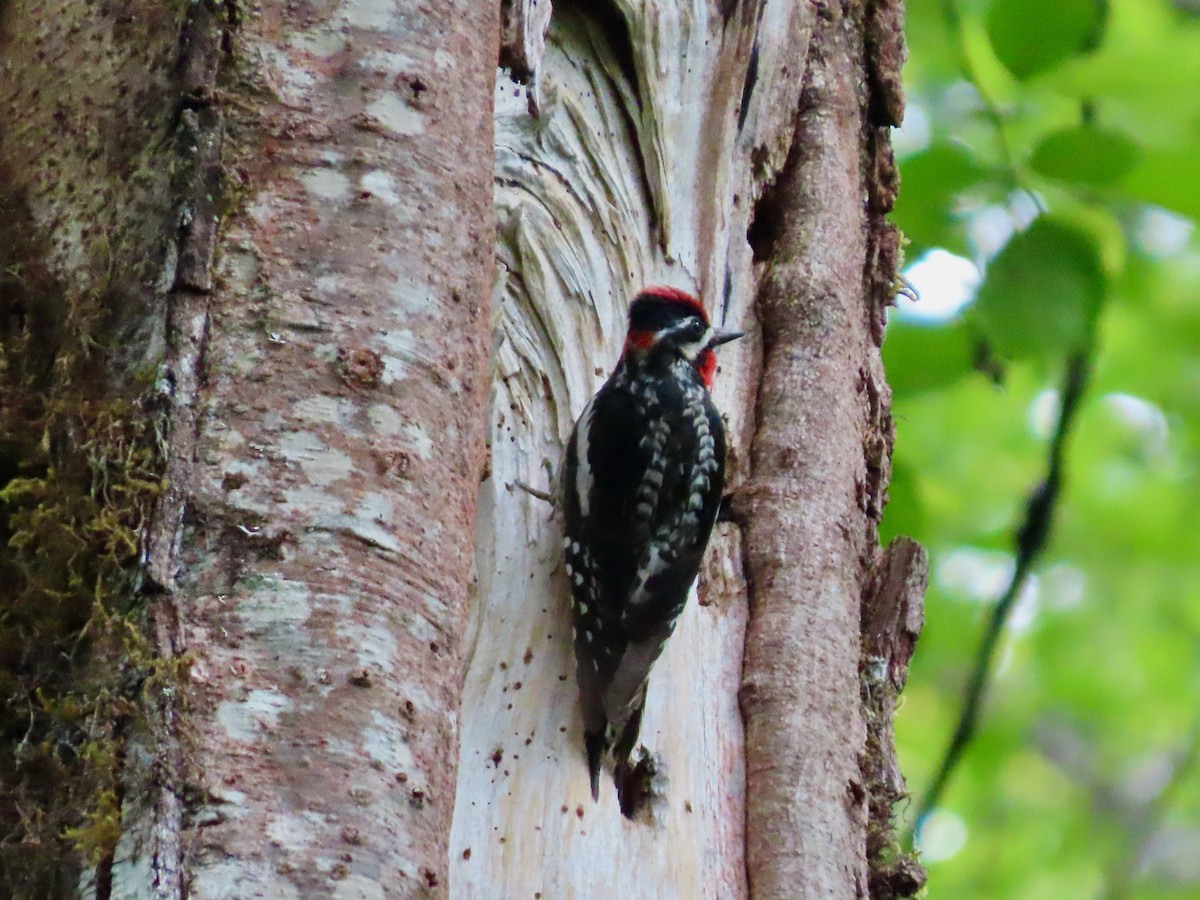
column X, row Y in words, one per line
column 89, row 102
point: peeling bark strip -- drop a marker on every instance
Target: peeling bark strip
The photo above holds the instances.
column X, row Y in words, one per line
column 892, row 617
column 150, row 856
column 327, row 440
column 819, row 466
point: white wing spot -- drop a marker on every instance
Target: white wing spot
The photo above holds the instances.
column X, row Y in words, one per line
column 578, row 579
column 583, row 608
column 588, row 634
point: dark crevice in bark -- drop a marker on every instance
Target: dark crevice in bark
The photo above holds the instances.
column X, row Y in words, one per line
column 885, row 56
column 726, row 296
column 765, row 226
column 748, row 87
column 607, row 18
column 767, row 221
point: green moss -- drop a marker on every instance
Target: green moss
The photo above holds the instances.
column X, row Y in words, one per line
column 81, row 469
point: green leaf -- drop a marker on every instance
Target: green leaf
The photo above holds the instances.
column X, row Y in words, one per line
column 925, row 357
column 904, row 513
column 1086, row 154
column 930, row 183
column 1169, row 178
column 1031, row 36
column 1041, row 294
column 1146, row 70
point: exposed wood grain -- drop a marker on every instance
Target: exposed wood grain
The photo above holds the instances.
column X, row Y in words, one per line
column 650, row 142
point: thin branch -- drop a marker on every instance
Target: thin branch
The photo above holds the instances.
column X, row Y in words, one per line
column 1030, row 539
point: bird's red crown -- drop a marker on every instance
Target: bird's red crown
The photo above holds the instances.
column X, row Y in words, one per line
column 647, row 317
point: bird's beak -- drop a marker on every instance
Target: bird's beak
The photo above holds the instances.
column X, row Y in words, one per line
column 721, row 336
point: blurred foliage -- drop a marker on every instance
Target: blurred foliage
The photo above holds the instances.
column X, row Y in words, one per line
column 1057, row 147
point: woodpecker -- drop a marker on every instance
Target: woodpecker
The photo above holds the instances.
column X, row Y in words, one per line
column 641, row 485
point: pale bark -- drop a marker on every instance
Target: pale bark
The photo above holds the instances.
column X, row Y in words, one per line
column 634, row 155
column 324, row 555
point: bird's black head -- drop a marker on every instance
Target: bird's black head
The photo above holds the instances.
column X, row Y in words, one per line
column 667, row 322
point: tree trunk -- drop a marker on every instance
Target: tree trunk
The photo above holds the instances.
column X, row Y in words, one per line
column 281, row 223
column 325, row 358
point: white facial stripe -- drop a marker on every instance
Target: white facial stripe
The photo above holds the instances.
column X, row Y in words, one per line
column 690, row 350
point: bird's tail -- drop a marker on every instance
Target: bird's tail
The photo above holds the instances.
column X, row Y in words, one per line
column 596, row 746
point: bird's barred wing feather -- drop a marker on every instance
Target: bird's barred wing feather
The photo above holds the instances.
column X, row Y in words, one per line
column 678, row 530
column 642, row 490
column 680, row 485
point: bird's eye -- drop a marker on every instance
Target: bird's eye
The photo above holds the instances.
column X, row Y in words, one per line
column 695, row 329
